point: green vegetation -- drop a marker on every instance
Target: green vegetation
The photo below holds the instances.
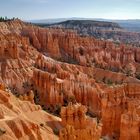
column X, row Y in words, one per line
column 56, row 131
column 25, row 84
column 138, row 76
column 129, row 72
column 109, row 82
column 37, row 97
column 4, row 19
column 57, row 110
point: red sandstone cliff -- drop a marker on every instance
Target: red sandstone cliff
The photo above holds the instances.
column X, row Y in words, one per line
column 77, row 125
column 57, row 66
column 66, row 45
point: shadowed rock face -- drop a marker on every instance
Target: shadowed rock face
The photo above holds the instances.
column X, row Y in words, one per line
column 57, row 66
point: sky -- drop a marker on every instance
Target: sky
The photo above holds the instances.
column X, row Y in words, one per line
column 49, row 9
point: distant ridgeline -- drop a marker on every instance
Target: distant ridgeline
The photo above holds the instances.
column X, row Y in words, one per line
column 104, row 30
column 4, row 19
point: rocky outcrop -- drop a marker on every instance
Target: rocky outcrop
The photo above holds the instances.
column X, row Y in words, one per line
column 77, row 126
column 130, row 121
column 114, row 105
column 108, row 103
column 16, row 56
column 49, row 89
column 13, row 46
column 13, row 26
column 27, row 97
column 62, row 80
column 23, row 120
column 59, row 83
column 74, row 115
column 66, row 45
column 60, row 67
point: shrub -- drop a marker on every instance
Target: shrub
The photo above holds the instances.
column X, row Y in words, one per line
column 57, row 110
column 2, row 131
column 56, row 131
column 81, row 51
column 129, row 72
column 138, row 76
column 25, row 84
column 104, row 79
column 42, row 125
column 71, row 98
column 109, row 82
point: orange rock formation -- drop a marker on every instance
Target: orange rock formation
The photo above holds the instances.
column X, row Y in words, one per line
column 86, row 51
column 130, row 124
column 27, row 97
column 77, row 126
column 60, row 66
column 23, row 120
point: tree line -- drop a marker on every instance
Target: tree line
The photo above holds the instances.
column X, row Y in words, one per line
column 3, row 19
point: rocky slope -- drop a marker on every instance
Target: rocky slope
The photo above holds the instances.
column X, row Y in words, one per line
column 53, row 67
column 68, row 46
column 22, row 120
column 99, row 29
column 17, row 56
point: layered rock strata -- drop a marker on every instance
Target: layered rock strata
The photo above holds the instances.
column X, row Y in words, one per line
column 77, row 126
column 21, row 120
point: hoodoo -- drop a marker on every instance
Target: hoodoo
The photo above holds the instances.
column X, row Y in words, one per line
column 59, row 85
column 77, row 125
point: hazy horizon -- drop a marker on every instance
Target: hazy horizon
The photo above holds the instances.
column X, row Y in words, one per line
column 52, row 9
column 84, row 18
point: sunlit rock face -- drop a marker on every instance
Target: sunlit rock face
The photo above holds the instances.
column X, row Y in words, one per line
column 24, row 120
column 53, row 67
column 130, row 123
column 66, row 45
column 118, row 105
column 58, row 83
column 77, row 125
column 14, row 60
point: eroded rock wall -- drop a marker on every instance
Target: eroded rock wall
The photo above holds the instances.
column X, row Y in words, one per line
column 77, row 125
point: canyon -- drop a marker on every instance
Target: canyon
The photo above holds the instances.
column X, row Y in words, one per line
column 56, row 84
column 113, row 30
